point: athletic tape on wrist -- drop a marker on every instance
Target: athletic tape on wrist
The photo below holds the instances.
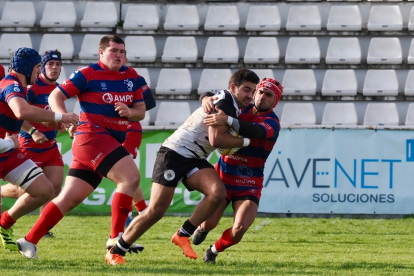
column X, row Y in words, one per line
column 58, row 117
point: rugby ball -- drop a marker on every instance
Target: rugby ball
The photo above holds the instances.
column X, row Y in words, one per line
column 233, row 150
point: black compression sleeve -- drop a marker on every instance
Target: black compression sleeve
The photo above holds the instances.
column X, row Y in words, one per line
column 250, row 130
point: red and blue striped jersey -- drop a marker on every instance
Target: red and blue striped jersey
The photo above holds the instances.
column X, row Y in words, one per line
column 98, row 89
column 10, row 87
column 38, row 95
column 134, row 126
column 244, row 169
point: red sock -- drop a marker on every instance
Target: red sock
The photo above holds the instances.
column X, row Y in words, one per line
column 140, row 206
column 51, row 215
column 121, row 206
column 6, row 221
column 225, row 241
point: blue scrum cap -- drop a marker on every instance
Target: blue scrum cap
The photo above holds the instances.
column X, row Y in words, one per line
column 50, row 55
column 24, row 60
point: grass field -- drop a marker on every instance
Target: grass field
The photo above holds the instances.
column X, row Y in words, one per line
column 273, row 246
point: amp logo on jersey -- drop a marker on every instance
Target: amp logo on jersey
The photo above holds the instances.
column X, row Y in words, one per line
column 108, row 98
column 129, row 84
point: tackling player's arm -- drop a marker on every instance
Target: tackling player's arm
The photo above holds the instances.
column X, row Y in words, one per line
column 219, row 137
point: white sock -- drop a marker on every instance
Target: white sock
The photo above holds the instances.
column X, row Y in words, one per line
column 214, row 250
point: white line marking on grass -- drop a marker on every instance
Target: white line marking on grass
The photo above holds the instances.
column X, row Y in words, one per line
column 264, row 223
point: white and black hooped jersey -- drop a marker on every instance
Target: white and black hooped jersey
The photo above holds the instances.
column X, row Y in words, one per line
column 191, row 138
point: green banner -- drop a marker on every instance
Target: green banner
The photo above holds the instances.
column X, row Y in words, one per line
column 100, row 200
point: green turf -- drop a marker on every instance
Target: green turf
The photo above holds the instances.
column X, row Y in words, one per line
column 273, row 246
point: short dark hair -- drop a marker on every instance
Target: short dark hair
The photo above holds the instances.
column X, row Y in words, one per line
column 104, row 43
column 243, row 75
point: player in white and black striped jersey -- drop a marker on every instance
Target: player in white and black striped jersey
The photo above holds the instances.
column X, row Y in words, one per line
column 182, row 157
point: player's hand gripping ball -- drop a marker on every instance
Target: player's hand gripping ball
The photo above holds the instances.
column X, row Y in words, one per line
column 233, row 150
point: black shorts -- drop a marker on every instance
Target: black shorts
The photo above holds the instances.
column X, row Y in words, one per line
column 171, row 168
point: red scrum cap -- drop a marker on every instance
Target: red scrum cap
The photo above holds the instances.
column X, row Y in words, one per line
column 273, row 86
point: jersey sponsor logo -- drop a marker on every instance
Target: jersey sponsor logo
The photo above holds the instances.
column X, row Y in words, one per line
column 107, row 98
column 265, row 125
column 145, row 87
column 93, row 161
column 20, row 155
column 73, row 75
column 244, row 171
column 117, row 122
column 103, row 86
column 169, row 175
column 237, row 158
column 246, row 181
column 16, row 89
column 129, row 84
column 47, row 108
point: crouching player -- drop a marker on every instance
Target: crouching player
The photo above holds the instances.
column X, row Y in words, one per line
column 242, row 172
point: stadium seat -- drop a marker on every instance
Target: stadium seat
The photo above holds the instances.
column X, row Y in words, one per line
column 339, row 83
column 344, row 18
column 141, row 17
column 147, row 119
column 384, row 50
column 304, row 18
column 411, row 20
column 381, row 114
column 340, row 114
column 214, row 80
column 90, row 47
column 385, row 18
column 140, row 48
column 18, row 14
column 299, row 82
column 62, row 42
column 180, row 49
column 144, row 73
column 53, row 17
column 380, row 83
column 343, row 50
column 297, row 53
column 262, row 50
column 264, row 73
column 222, row 18
column 410, row 59
column 298, row 114
column 409, row 119
column 221, row 50
column 182, row 17
column 62, row 76
column 174, row 81
column 92, row 18
column 172, row 113
column 77, row 108
column 409, row 84
column 263, row 18
column 10, row 42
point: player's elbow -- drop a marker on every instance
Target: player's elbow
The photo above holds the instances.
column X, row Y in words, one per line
column 22, row 113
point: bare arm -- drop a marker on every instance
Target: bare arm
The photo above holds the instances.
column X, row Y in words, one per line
column 57, row 104
column 135, row 113
column 219, row 137
column 24, row 111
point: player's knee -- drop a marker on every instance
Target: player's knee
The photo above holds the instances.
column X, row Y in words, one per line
column 56, row 190
column 218, row 193
column 44, row 193
column 154, row 214
column 239, row 229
